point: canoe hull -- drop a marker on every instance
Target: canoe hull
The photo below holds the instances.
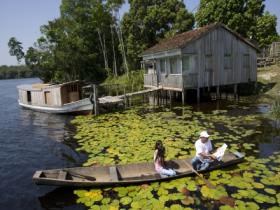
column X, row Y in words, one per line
column 121, row 174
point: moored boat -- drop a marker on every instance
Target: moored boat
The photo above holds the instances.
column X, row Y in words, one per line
column 58, row 99
column 135, row 173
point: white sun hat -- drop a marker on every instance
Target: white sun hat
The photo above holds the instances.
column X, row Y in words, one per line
column 204, row 134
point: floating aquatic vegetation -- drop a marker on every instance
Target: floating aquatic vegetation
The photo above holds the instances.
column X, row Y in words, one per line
column 119, row 138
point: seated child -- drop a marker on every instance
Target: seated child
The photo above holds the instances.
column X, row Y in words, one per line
column 159, row 161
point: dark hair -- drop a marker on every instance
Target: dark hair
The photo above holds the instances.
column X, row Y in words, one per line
column 160, row 152
column 158, row 144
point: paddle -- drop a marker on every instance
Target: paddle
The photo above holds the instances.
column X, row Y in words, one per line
column 205, row 180
column 91, row 178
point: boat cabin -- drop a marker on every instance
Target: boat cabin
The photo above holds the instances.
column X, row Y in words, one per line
column 50, row 95
column 210, row 56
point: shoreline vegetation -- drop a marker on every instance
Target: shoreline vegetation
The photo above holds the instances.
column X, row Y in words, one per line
column 89, row 41
column 16, row 72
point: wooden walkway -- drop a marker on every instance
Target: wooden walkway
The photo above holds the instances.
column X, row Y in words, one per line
column 141, row 92
column 121, row 98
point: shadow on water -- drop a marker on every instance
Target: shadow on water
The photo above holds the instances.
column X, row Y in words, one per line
column 60, row 198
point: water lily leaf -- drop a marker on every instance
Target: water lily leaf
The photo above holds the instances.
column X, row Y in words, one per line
column 176, row 207
column 227, row 201
column 270, row 191
column 258, row 185
column 125, row 200
column 188, row 200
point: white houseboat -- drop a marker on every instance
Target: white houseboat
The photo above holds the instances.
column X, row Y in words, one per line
column 61, row 98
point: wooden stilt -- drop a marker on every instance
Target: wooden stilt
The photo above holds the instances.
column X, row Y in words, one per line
column 235, row 90
column 95, row 98
column 125, row 99
column 256, row 86
column 198, row 94
column 170, row 98
column 218, row 96
column 183, row 97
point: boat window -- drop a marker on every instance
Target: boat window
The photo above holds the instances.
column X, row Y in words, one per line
column 73, row 88
column 47, row 97
column 29, row 96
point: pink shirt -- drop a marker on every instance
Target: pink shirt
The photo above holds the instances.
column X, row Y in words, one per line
column 157, row 163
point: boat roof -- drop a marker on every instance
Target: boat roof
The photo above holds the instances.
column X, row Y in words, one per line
column 40, row 86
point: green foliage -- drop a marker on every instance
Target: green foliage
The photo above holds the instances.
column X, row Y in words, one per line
column 275, row 111
column 246, row 17
column 78, row 43
column 134, row 79
column 265, row 32
column 11, row 72
column 149, row 21
column 16, row 49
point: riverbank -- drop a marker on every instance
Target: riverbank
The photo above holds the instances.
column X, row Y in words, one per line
column 269, row 79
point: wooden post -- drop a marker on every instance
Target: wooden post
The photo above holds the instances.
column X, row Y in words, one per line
column 218, row 92
column 235, row 91
column 125, row 105
column 256, row 86
column 95, row 99
column 183, row 96
column 170, row 98
column 198, row 94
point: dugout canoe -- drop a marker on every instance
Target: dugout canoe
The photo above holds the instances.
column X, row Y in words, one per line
column 123, row 174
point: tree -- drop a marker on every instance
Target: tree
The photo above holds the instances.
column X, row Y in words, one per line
column 243, row 16
column 148, row 21
column 16, row 49
column 266, row 30
column 77, row 45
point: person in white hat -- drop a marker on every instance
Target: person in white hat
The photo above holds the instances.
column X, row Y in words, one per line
column 203, row 147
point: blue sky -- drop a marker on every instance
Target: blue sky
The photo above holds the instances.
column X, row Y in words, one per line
column 22, row 19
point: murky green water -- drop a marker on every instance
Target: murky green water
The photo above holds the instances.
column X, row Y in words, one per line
column 129, row 136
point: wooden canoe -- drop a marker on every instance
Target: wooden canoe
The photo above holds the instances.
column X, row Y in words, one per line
column 123, row 174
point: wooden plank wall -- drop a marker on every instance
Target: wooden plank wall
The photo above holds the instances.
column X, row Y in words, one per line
column 37, row 97
column 222, row 59
column 22, row 95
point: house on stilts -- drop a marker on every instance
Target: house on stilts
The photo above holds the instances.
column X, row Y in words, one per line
column 206, row 57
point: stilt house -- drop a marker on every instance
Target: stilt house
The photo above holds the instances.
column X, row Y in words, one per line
column 210, row 56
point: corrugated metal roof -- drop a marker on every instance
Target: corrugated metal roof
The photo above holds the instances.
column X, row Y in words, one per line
column 180, row 40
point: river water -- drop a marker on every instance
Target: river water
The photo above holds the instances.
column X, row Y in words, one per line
column 30, row 141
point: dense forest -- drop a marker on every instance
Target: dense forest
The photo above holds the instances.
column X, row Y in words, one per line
column 12, row 72
column 89, row 41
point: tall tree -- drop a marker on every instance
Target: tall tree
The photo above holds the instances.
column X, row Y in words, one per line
column 148, row 21
column 243, row 16
column 265, row 31
column 77, row 45
column 16, row 49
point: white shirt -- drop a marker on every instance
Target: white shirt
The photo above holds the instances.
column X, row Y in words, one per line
column 203, row 147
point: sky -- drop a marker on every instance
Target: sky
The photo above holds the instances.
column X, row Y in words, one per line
column 22, row 19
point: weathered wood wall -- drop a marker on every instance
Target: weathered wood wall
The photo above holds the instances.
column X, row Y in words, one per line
column 222, row 59
column 22, row 96
column 218, row 58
